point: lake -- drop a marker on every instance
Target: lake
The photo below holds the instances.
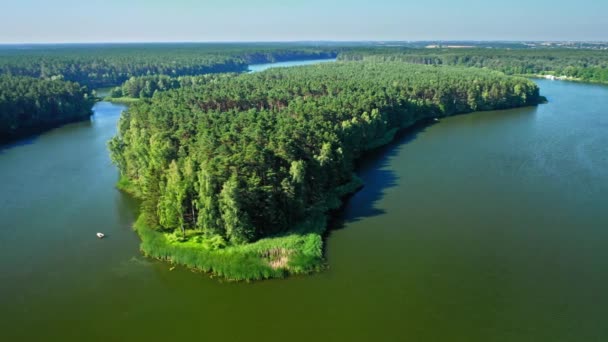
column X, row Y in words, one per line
column 266, row 66
column 483, row 227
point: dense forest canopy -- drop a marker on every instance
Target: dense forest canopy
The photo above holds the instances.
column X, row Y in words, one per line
column 110, row 65
column 147, row 86
column 27, row 111
column 583, row 64
column 246, row 157
column 30, row 105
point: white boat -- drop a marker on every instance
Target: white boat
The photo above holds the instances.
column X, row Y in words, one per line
column 435, row 119
column 100, row 235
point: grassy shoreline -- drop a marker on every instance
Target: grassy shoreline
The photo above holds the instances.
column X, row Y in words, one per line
column 121, row 100
column 298, row 251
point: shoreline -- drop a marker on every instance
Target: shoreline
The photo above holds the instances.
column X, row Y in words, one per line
column 35, row 132
column 298, row 251
column 562, row 78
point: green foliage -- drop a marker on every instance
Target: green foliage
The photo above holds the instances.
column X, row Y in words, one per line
column 29, row 105
column 146, row 86
column 257, row 159
column 234, row 218
column 171, row 202
column 298, row 251
column 99, row 66
column 582, row 64
column 205, row 197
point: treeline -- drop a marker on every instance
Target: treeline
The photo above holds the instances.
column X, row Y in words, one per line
column 586, row 65
column 29, row 105
column 583, row 64
column 146, row 86
column 247, row 157
column 110, row 65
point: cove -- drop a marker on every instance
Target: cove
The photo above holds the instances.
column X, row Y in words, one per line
column 487, row 226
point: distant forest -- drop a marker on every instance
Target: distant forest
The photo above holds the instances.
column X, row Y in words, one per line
column 99, row 66
column 577, row 64
column 43, row 87
column 581, row 64
column 141, row 70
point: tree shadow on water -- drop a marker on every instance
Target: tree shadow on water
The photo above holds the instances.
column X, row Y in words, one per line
column 16, row 143
column 373, row 169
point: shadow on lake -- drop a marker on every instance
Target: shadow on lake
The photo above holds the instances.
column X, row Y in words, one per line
column 17, row 143
column 373, row 169
column 50, row 131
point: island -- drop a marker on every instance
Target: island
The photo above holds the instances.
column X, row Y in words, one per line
column 237, row 176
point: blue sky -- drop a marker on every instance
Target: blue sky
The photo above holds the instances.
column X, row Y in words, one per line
column 38, row 21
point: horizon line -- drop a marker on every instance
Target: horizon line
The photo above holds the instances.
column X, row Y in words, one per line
column 305, row 41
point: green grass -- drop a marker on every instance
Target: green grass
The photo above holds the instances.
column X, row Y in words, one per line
column 122, row 100
column 298, row 251
column 125, row 185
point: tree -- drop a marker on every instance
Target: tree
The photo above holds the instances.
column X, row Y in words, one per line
column 170, row 205
column 236, row 222
column 209, row 218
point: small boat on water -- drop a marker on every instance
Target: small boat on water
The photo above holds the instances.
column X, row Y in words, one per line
column 101, row 235
column 436, row 119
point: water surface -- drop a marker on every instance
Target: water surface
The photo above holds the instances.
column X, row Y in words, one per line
column 484, row 227
column 266, row 66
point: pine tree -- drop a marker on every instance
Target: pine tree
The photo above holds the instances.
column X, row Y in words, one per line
column 236, row 222
column 170, row 205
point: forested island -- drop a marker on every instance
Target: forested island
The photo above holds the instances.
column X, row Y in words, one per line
column 31, row 105
column 237, row 175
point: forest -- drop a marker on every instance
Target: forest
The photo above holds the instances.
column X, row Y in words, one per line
column 576, row 64
column 31, row 105
column 581, row 64
column 109, row 65
column 146, row 86
column 241, row 170
column 28, row 108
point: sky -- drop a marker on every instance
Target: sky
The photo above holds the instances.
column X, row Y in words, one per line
column 70, row 21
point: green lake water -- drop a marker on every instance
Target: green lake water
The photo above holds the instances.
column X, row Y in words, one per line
column 483, row 227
